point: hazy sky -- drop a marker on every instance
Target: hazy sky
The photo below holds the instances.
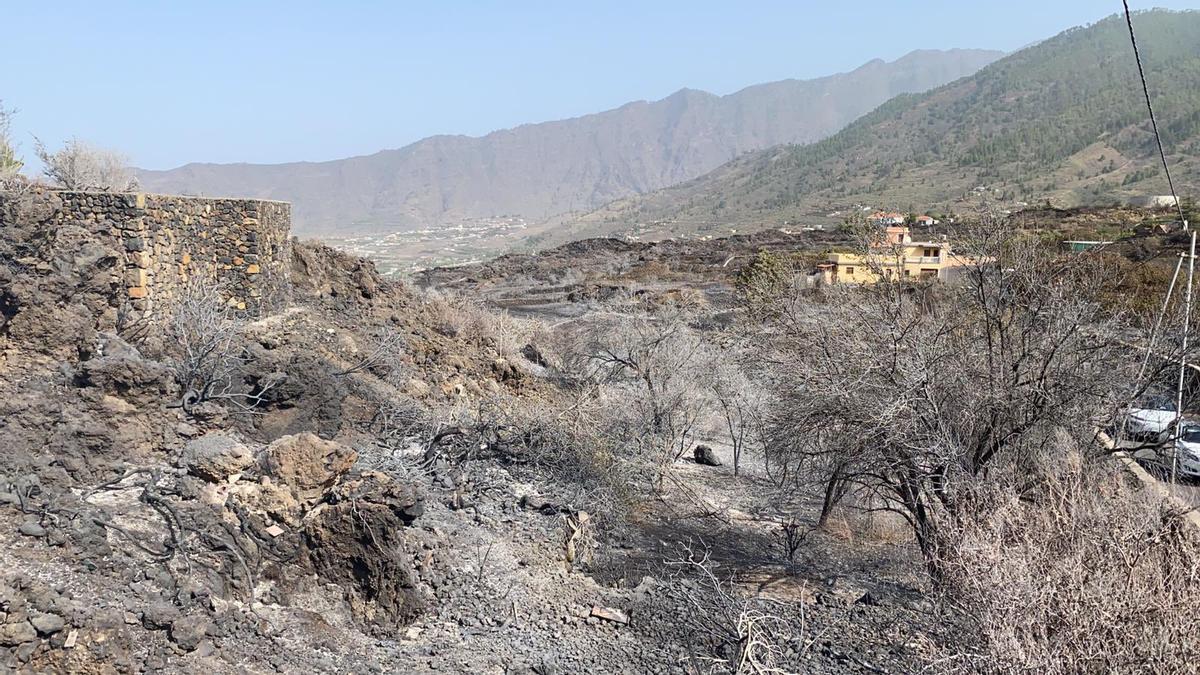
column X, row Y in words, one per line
column 171, row 82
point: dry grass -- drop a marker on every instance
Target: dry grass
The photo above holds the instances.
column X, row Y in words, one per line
column 862, row 518
column 1084, row 573
column 456, row 315
column 869, row 528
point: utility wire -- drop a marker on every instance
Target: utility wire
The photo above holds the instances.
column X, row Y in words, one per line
column 1150, row 108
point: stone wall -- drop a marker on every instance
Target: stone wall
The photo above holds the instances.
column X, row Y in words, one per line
column 240, row 244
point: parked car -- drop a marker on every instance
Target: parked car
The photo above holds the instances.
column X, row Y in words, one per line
column 1151, row 417
column 1187, row 452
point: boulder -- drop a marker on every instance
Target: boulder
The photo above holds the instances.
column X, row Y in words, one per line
column 358, row 540
column 216, row 456
column 307, row 464
column 31, row 528
column 17, row 632
column 159, row 615
column 705, row 455
column 188, row 632
column 266, row 498
column 48, row 624
column 126, row 376
column 113, row 345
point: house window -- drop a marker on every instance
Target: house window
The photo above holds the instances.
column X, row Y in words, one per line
column 931, row 252
column 850, row 271
column 908, row 273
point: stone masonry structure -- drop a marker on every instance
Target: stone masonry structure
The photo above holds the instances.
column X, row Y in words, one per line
column 238, row 244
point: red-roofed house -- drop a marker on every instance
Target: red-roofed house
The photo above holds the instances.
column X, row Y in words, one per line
column 886, row 218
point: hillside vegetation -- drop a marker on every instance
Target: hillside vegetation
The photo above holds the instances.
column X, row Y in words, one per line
column 1062, row 120
column 538, row 170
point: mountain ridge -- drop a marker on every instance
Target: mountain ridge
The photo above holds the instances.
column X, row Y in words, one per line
column 1062, row 120
column 542, row 169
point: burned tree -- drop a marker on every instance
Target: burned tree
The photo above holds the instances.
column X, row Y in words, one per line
column 659, row 368
column 81, row 166
column 739, row 402
column 919, row 392
column 208, row 350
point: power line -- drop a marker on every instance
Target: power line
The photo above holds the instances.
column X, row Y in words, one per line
column 1149, row 107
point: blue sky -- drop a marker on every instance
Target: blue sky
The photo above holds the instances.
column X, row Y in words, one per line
column 272, row 81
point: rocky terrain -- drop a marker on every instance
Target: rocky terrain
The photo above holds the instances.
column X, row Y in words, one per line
column 580, row 277
column 366, row 499
column 573, row 279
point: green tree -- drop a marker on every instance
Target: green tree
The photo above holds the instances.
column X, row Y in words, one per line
column 765, row 280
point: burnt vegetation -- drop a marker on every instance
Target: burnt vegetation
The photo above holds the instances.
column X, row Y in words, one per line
column 686, row 456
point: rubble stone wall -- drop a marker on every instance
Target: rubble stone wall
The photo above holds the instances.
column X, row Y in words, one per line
column 240, row 244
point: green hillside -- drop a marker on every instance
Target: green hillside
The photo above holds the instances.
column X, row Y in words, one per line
column 1062, row 120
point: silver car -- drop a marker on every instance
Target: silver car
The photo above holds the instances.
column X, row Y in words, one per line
column 1152, row 417
column 1187, row 452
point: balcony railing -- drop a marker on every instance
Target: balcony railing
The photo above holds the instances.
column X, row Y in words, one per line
column 924, row 260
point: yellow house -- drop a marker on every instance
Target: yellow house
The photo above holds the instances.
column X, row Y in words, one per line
column 896, row 257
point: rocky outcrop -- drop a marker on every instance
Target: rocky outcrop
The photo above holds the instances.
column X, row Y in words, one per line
column 357, row 540
column 307, row 464
column 216, row 456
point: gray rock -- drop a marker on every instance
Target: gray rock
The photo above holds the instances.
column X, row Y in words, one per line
column 131, row 378
column 186, row 430
column 13, row 634
column 111, row 344
column 31, row 528
column 190, row 631
column 48, row 624
column 159, row 615
column 216, row 456
column 25, row 652
column 705, row 455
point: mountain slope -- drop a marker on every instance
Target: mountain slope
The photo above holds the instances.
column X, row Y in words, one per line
column 538, row 170
column 1062, row 120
